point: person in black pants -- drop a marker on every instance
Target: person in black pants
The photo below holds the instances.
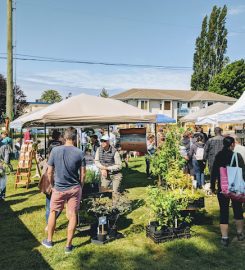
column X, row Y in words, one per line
column 223, row 159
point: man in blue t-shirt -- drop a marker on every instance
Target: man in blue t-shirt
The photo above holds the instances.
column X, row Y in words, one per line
column 64, row 164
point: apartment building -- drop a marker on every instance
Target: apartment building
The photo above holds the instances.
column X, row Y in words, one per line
column 174, row 103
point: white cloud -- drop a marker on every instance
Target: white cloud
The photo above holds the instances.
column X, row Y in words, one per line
column 236, row 10
column 78, row 80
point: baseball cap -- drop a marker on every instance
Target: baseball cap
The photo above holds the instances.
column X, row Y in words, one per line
column 105, row 138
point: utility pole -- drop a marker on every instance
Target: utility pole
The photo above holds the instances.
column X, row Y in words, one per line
column 9, row 92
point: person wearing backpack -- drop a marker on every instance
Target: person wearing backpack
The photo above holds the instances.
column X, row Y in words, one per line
column 196, row 154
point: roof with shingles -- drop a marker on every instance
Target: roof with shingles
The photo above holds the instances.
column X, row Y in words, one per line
column 182, row 95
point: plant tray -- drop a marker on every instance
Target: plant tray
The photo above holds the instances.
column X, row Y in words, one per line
column 165, row 236
column 196, row 204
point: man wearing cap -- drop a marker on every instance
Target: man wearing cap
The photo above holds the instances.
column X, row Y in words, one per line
column 212, row 147
column 108, row 160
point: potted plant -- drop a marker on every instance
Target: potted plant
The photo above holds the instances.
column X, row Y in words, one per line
column 181, row 185
column 107, row 212
column 168, row 154
column 91, row 183
column 168, row 221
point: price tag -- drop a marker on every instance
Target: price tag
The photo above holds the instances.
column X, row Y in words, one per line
column 102, row 220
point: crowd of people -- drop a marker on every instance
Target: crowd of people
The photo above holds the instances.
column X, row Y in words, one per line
column 65, row 170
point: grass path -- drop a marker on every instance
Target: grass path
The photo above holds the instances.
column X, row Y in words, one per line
column 22, row 225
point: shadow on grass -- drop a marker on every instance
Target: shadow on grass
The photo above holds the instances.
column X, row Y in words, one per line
column 179, row 254
column 27, row 192
column 18, row 244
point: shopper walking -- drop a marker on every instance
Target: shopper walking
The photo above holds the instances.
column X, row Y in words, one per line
column 223, row 159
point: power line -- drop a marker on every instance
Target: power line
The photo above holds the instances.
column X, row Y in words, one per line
column 26, row 57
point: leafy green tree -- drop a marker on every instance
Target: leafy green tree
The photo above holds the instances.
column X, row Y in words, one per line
column 209, row 57
column 231, row 81
column 19, row 99
column 104, row 93
column 168, row 155
column 51, row 96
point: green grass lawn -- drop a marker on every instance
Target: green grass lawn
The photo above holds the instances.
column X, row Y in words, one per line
column 22, row 223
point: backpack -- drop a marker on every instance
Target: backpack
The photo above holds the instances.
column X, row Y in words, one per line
column 199, row 153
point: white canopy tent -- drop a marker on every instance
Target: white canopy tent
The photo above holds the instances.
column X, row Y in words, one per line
column 234, row 114
column 212, row 109
column 85, row 109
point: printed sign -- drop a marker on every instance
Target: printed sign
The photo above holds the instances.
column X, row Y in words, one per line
column 102, row 220
column 133, row 139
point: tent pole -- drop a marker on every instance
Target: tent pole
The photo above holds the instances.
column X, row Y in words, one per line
column 45, row 141
column 21, row 136
column 156, row 134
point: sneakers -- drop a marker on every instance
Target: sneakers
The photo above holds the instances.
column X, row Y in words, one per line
column 225, row 242
column 240, row 236
column 47, row 243
column 69, row 249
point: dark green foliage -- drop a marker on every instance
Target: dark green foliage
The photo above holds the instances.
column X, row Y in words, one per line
column 104, row 93
column 209, row 57
column 231, row 81
column 19, row 96
column 169, row 154
column 51, row 96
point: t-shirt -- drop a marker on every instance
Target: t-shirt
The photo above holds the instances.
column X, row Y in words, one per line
column 66, row 160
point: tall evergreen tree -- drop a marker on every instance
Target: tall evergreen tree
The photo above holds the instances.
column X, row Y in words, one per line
column 199, row 77
column 209, row 57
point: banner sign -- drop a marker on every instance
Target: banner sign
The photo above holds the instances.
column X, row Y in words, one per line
column 133, row 139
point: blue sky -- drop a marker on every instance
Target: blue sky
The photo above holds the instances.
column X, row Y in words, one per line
column 153, row 32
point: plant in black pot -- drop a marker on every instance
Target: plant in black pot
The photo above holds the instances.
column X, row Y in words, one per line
column 91, row 184
column 107, row 212
column 166, row 209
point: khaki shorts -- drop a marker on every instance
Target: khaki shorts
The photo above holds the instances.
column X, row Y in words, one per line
column 71, row 196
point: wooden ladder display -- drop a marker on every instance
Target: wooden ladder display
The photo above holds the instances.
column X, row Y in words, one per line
column 23, row 173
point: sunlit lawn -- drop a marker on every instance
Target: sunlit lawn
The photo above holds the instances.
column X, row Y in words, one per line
column 22, row 224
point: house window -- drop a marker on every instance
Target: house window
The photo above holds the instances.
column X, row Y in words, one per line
column 188, row 105
column 210, row 103
column 160, row 106
column 144, row 104
column 167, row 105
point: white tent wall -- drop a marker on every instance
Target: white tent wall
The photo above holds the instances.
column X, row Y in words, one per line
column 234, row 114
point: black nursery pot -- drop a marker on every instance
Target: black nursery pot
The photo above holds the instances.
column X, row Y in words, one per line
column 153, row 226
column 89, row 188
column 113, row 231
column 101, row 237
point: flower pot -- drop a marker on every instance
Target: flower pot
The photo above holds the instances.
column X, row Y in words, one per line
column 153, row 226
column 113, row 231
column 199, row 203
column 101, row 237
